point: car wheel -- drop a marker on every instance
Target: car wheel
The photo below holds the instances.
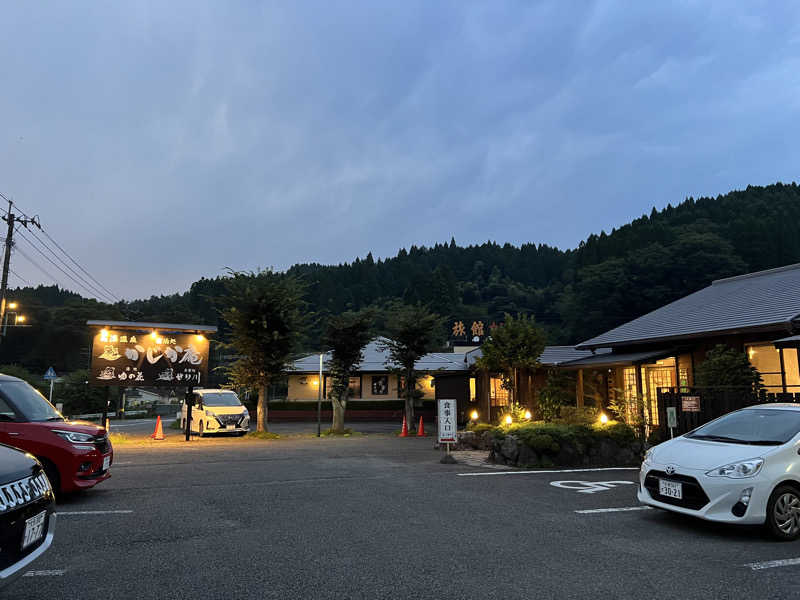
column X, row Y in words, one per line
column 52, row 474
column 783, row 513
column 200, row 429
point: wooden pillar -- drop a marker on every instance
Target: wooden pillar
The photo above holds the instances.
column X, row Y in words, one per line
column 677, row 373
column 579, row 390
column 783, row 370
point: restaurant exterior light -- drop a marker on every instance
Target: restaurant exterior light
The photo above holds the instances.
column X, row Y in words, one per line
column 527, row 415
column 508, row 420
column 473, row 415
column 603, row 418
column 20, row 318
column 154, row 335
column 199, row 337
column 12, row 305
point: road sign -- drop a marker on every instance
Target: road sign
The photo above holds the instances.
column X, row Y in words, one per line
column 50, row 375
column 672, row 417
column 447, row 421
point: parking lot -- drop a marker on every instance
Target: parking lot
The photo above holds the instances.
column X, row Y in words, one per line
column 376, row 516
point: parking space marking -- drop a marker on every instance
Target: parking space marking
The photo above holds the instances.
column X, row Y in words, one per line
column 549, row 471
column 770, row 564
column 588, row 487
column 50, row 573
column 591, row 511
column 94, row 512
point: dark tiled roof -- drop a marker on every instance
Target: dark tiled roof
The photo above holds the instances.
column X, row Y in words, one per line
column 767, row 299
column 551, row 356
column 375, row 361
column 614, row 359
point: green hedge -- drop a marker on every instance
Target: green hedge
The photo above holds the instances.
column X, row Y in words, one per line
column 351, row 405
column 544, row 435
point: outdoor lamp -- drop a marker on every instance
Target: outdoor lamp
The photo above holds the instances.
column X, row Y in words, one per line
column 20, row 319
column 12, row 305
column 473, row 415
column 508, row 420
column 603, row 418
column 528, row 415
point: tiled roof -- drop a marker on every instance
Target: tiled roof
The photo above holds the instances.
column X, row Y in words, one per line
column 375, row 358
column 763, row 300
column 551, row 356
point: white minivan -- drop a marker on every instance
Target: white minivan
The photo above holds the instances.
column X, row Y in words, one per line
column 217, row 411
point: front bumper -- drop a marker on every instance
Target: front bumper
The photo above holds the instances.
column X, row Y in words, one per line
column 13, row 572
column 86, row 470
column 240, row 425
column 709, row 498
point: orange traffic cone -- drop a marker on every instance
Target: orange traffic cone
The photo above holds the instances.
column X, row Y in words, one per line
column 404, row 430
column 158, row 434
column 421, row 429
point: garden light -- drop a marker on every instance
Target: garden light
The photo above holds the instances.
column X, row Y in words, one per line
column 508, row 420
column 603, row 418
column 473, row 415
column 527, row 415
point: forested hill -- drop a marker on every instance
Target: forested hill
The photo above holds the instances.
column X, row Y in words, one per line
column 610, row 278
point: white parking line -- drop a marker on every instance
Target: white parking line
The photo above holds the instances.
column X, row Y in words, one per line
column 591, row 511
column 94, row 512
column 549, row 471
column 786, row 562
column 51, row 573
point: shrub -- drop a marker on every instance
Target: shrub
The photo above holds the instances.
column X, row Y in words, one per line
column 575, row 415
column 725, row 366
column 479, row 427
column 548, row 438
column 558, row 391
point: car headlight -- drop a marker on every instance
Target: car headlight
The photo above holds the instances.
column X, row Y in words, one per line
column 210, row 413
column 74, row 437
column 648, row 456
column 738, row 470
column 245, row 413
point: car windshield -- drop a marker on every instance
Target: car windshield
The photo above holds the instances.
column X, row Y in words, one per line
column 29, row 402
column 769, row 427
column 221, row 399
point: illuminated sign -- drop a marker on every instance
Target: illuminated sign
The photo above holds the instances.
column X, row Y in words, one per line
column 143, row 359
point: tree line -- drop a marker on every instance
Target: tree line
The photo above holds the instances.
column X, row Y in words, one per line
column 574, row 294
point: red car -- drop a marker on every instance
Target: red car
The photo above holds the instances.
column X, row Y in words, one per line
column 76, row 455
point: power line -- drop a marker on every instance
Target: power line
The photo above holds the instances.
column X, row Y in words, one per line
column 37, row 265
column 96, row 288
column 22, row 279
column 49, row 249
column 52, row 262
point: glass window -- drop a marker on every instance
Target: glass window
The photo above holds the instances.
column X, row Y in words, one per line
column 766, row 426
column 29, row 402
column 221, row 399
column 6, row 412
column 380, row 385
column 472, row 392
column 791, row 368
column 767, row 360
column 497, row 393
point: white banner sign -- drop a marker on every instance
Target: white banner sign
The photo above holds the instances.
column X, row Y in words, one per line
column 447, row 421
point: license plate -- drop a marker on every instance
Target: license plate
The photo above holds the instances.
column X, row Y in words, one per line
column 106, row 462
column 230, row 427
column 671, row 489
column 34, row 529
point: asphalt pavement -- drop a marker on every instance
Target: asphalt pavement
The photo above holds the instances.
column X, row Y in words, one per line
column 377, row 516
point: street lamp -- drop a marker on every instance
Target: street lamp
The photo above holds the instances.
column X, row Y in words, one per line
column 18, row 318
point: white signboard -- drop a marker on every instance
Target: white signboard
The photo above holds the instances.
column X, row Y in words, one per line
column 672, row 416
column 447, row 421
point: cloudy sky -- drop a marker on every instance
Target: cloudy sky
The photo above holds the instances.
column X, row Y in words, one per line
column 160, row 142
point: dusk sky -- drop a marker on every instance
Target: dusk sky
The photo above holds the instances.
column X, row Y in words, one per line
column 161, row 142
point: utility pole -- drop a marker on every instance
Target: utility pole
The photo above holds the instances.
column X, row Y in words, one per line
column 10, row 218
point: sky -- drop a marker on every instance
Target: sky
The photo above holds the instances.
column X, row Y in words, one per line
column 160, row 142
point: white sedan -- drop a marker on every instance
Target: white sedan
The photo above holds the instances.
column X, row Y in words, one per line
column 741, row 468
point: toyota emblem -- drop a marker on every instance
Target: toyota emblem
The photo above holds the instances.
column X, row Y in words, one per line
column 670, row 469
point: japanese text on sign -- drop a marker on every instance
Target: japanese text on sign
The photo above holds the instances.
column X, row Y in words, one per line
column 447, row 421
column 148, row 359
